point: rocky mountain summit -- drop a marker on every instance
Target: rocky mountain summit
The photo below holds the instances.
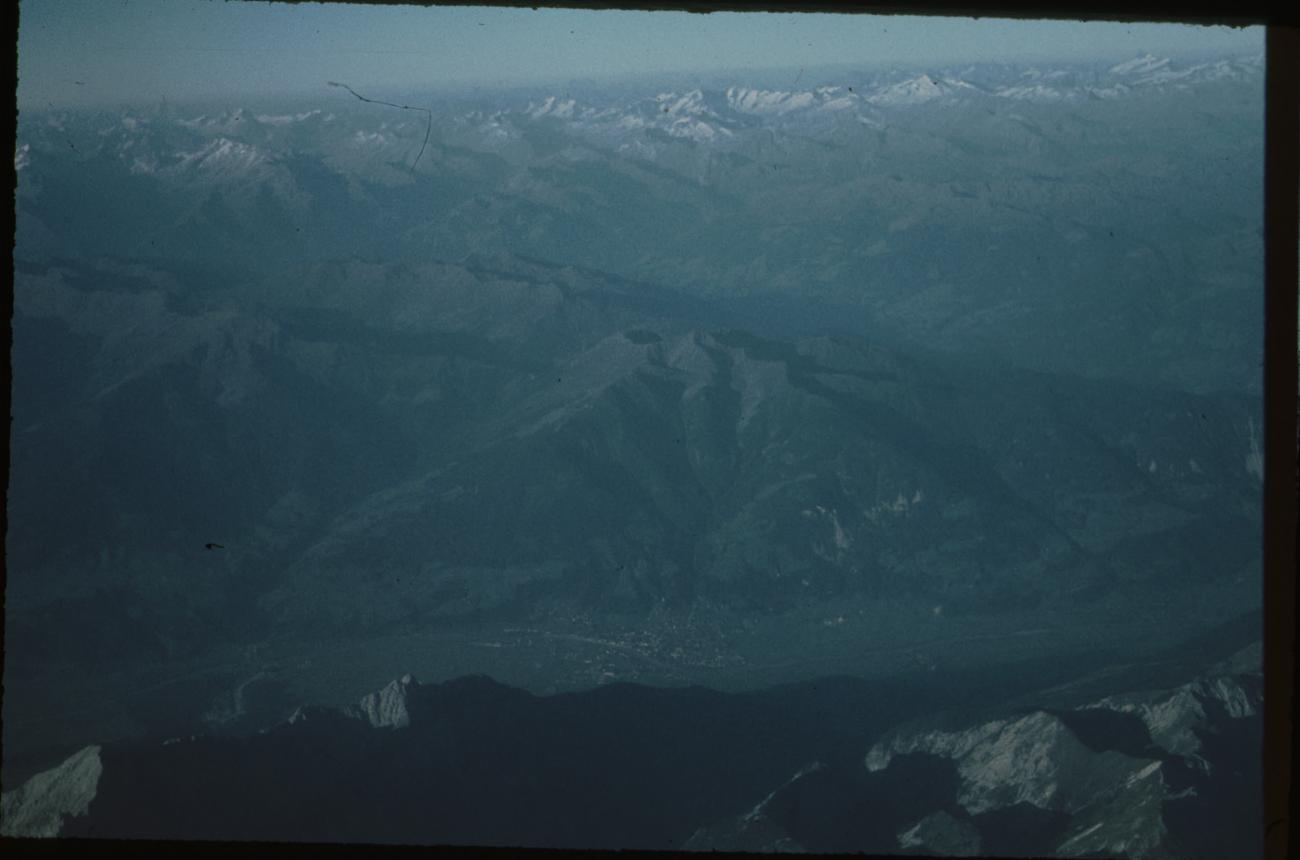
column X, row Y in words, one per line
column 1147, row 775
column 1163, row 773
column 387, row 707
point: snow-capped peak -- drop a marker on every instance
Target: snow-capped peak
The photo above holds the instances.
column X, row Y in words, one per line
column 747, row 100
column 223, row 155
column 553, row 106
column 286, row 119
column 1140, row 65
column 913, row 91
column 1034, row 92
column 677, row 104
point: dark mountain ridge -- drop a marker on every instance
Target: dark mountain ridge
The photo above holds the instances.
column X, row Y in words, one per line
column 472, row 761
column 706, row 439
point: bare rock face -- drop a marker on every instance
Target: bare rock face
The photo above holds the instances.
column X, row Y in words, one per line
column 1176, row 718
column 1038, row 760
column 1113, row 799
column 39, row 806
column 1118, row 802
column 1034, row 759
column 384, row 708
column 387, row 707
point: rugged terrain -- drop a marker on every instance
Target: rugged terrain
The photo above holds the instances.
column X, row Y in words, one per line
column 1146, row 773
column 904, row 373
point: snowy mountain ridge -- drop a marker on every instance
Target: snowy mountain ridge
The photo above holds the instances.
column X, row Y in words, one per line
column 240, row 144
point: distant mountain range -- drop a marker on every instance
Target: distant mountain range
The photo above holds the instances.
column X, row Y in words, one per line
column 876, row 373
column 963, row 209
column 239, row 142
column 717, row 117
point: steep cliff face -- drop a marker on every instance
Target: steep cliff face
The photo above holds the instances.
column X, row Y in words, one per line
column 386, row 708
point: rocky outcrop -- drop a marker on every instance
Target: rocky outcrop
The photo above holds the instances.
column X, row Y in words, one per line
column 39, row 806
column 1154, row 774
column 1177, row 717
column 1169, row 773
column 386, row 708
column 1123, row 793
column 1035, row 759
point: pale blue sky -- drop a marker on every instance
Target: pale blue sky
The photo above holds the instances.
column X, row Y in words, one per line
column 85, row 51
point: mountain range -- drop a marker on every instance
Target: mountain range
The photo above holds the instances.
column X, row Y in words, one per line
column 1149, row 773
column 612, row 394
column 971, row 221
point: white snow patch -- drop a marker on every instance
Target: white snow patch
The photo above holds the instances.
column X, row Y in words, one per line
column 223, row 155
column 1076, row 837
column 769, row 102
column 760, row 808
column 914, row 91
column 1036, row 93
column 1139, row 65
column 552, row 106
column 286, row 119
